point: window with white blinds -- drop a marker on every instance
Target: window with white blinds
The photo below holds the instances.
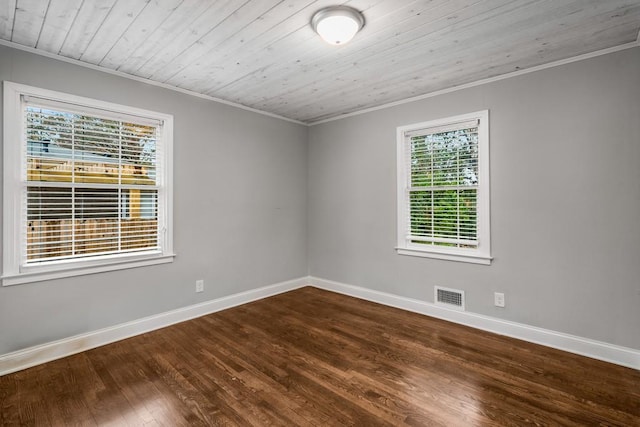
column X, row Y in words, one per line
column 91, row 187
column 443, row 188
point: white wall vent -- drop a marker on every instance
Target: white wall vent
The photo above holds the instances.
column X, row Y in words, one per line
column 451, row 298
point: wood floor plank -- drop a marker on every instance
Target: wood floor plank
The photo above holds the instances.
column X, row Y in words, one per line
column 314, row 358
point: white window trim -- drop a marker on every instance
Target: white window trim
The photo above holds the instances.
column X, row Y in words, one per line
column 481, row 255
column 14, row 165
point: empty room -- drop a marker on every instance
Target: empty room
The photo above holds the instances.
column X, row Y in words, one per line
column 320, row 213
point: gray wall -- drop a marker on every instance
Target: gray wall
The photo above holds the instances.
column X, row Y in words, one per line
column 565, row 200
column 239, row 218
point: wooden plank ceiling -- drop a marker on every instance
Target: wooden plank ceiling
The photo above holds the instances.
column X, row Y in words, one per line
column 263, row 53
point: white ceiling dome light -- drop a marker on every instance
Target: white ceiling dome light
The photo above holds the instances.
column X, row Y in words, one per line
column 337, row 24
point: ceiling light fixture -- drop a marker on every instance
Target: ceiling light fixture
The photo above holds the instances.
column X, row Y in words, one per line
column 337, row 24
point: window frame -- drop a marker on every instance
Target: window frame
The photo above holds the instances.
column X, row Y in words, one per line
column 14, row 183
column 479, row 255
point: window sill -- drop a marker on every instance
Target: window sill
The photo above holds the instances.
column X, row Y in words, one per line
column 43, row 273
column 473, row 259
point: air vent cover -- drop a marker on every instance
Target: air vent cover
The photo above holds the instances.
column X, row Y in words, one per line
column 451, row 298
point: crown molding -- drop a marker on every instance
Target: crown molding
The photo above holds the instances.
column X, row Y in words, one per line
column 553, row 64
column 144, row 80
column 485, row 81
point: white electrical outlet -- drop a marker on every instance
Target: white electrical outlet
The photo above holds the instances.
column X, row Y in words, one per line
column 199, row 285
column 498, row 299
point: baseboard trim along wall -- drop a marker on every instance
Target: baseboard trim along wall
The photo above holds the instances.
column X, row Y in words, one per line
column 32, row 356
column 573, row 344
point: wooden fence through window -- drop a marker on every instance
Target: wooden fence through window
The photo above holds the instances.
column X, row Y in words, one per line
column 53, row 238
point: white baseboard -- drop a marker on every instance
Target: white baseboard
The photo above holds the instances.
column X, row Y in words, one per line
column 583, row 346
column 32, row 356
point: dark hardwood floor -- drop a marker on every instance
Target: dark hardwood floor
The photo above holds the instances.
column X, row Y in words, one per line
column 316, row 358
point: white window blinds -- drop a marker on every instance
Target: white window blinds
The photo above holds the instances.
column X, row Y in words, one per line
column 442, row 185
column 91, row 182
